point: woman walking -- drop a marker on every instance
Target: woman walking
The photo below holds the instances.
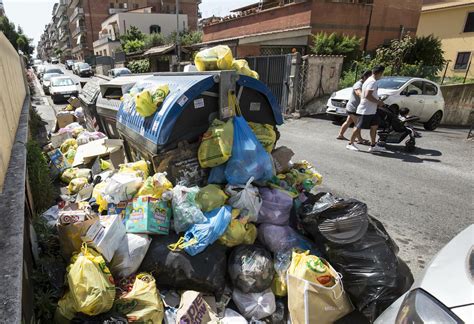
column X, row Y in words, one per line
column 351, row 108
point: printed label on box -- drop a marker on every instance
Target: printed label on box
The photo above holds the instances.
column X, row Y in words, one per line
column 199, row 103
column 183, row 100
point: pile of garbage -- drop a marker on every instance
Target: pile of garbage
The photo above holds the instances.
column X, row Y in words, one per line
column 259, row 243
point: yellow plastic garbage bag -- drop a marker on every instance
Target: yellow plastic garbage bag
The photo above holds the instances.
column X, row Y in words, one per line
column 155, row 186
column 242, row 67
column 91, row 286
column 76, row 185
column 70, row 155
column 73, row 173
column 214, row 58
column 148, row 101
column 141, row 166
column 67, row 144
column 143, row 303
column 265, row 134
column 97, row 194
column 279, row 286
column 210, row 197
column 239, row 232
column 66, row 309
column 216, row 146
column 312, row 268
column 105, row 165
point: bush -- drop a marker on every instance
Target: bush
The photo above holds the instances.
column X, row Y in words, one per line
column 154, row 39
column 139, row 66
column 336, row 44
column 133, row 46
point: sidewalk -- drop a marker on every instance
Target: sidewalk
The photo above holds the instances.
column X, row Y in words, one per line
column 40, row 102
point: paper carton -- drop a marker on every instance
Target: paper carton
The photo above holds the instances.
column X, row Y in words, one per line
column 58, row 138
column 105, row 235
column 89, row 152
column 64, row 118
column 149, row 216
column 58, row 160
column 119, row 209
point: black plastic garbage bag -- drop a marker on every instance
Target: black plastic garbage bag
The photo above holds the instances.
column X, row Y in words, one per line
column 332, row 219
column 107, row 318
column 178, row 270
column 372, row 274
column 251, row 268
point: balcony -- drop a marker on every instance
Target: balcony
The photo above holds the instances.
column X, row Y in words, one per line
column 79, row 48
column 66, row 46
column 113, row 11
column 78, row 12
column 104, row 40
column 63, row 35
column 78, row 30
column 63, row 20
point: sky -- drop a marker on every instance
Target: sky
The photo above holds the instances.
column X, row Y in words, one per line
column 33, row 15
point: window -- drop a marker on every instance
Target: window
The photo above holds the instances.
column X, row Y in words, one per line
column 430, row 89
column 125, row 5
column 112, row 5
column 462, row 60
column 121, row 5
column 469, row 26
column 135, row 5
column 416, row 86
column 155, row 29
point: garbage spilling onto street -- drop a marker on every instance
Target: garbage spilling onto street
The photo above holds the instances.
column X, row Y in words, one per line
column 240, row 235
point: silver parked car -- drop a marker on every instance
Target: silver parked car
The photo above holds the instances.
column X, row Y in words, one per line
column 445, row 292
column 423, row 97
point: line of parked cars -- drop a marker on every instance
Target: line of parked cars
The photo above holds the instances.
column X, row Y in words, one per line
column 423, row 97
column 79, row 68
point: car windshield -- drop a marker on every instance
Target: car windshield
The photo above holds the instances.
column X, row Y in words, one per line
column 58, row 71
column 123, row 71
column 48, row 76
column 84, row 66
column 62, row 82
column 392, row 83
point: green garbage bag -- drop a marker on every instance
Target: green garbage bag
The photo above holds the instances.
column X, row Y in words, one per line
column 210, row 197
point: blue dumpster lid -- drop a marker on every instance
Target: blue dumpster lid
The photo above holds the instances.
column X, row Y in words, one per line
column 183, row 89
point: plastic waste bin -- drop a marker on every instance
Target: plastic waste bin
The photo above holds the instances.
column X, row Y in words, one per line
column 195, row 99
column 88, row 98
column 108, row 101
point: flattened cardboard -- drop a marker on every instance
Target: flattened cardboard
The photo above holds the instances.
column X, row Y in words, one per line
column 103, row 147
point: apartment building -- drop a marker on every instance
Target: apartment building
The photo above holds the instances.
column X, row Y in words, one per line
column 280, row 26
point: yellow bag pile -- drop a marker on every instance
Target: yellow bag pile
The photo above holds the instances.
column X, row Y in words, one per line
column 242, row 67
column 76, row 185
column 91, row 286
column 216, row 145
column 312, row 268
column 210, row 197
column 97, row 194
column 143, row 303
column 68, row 144
column 215, row 58
column 238, row 232
column 73, row 173
column 148, row 101
column 265, row 134
column 140, row 166
column 155, row 186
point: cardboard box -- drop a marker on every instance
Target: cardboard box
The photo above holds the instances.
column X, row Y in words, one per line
column 64, row 118
column 57, row 139
column 58, row 160
column 120, row 209
column 105, row 235
column 113, row 148
column 149, row 216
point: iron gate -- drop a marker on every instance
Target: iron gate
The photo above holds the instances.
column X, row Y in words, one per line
column 274, row 71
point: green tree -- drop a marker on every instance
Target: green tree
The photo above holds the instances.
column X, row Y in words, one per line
column 133, row 46
column 186, row 38
column 154, row 39
column 133, row 33
column 336, row 44
column 139, row 66
column 16, row 37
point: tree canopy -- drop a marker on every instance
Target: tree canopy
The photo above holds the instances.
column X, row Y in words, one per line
column 16, row 37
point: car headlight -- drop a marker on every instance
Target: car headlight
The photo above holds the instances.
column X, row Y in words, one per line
column 383, row 97
column 420, row 307
column 333, row 95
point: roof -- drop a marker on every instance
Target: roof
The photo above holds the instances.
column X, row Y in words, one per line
column 160, row 50
column 247, row 7
column 447, row 5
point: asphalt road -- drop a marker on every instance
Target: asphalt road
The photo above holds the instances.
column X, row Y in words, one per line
column 424, row 199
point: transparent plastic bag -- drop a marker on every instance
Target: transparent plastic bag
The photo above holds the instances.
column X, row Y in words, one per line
column 129, row 255
column 249, row 158
column 245, row 198
column 255, row 305
column 185, row 210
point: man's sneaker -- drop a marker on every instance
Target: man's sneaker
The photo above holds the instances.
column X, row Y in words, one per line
column 377, row 148
column 352, row 147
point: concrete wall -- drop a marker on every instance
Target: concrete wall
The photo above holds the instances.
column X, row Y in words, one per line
column 459, row 104
column 448, row 25
column 143, row 21
column 12, row 95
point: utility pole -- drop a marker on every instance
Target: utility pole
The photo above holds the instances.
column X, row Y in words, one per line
column 367, row 29
column 178, row 45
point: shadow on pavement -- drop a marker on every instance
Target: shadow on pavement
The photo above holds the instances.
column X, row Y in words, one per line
column 398, row 152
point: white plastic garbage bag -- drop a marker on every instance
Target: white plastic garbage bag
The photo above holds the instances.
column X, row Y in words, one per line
column 246, row 198
column 122, row 187
column 129, row 255
column 255, row 305
column 232, row 317
column 51, row 216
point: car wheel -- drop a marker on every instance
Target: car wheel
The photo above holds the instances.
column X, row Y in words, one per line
column 55, row 101
column 434, row 121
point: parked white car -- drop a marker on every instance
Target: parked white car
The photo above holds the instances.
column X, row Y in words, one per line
column 421, row 96
column 63, row 87
column 445, row 292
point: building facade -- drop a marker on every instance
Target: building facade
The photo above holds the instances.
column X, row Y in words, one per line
column 274, row 27
column 453, row 23
column 144, row 19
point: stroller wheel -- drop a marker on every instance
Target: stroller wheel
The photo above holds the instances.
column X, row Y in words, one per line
column 410, row 145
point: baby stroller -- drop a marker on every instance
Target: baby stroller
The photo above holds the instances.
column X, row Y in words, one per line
column 393, row 130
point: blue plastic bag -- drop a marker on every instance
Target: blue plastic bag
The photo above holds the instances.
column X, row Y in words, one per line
column 217, row 175
column 199, row 236
column 249, row 158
